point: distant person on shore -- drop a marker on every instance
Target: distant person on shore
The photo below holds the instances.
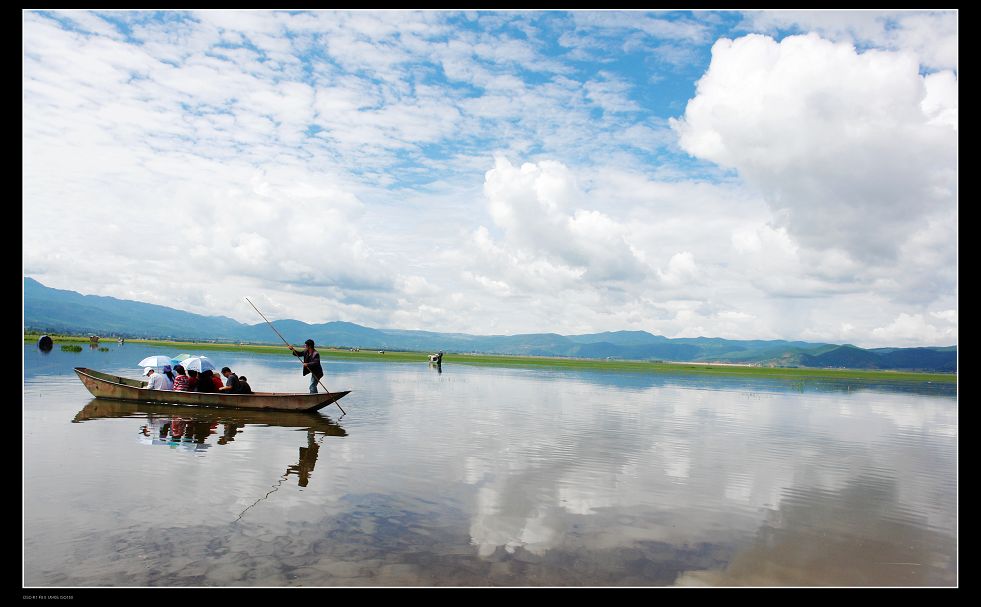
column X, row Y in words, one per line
column 243, row 385
column 206, row 382
column 231, row 381
column 182, row 383
column 155, row 381
column 311, row 363
column 192, row 381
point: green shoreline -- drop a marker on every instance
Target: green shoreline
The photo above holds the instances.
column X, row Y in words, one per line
column 585, row 364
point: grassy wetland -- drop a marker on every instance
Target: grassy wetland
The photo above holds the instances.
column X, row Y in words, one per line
column 572, row 364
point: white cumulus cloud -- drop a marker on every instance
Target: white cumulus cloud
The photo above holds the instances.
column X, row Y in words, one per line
column 851, row 150
column 913, row 329
column 539, row 207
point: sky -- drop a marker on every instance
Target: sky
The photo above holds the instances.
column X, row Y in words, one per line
column 746, row 175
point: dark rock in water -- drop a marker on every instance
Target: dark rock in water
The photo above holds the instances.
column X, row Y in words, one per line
column 44, row 342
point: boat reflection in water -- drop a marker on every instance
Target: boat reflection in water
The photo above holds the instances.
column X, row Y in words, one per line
column 189, row 429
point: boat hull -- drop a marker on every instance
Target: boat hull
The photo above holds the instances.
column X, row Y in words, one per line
column 103, row 385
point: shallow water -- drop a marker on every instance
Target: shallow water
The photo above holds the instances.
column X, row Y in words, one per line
column 488, row 476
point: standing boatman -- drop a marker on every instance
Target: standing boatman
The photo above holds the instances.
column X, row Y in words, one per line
column 311, row 363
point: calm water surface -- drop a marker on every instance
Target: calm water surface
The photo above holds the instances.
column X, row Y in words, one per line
column 485, row 476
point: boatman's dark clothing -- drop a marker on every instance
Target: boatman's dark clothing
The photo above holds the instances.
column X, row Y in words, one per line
column 313, row 360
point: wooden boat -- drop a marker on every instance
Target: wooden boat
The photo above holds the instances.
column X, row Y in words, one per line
column 103, row 385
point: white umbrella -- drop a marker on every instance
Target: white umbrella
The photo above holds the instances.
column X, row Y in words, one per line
column 154, row 361
column 198, row 363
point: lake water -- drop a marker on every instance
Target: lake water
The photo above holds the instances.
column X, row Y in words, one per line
column 488, row 477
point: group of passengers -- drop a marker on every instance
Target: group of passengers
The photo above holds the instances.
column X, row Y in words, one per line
column 182, row 380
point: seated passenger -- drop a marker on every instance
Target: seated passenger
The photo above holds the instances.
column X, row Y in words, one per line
column 206, row 382
column 243, row 385
column 231, row 381
column 192, row 381
column 182, row 383
column 169, row 376
column 155, row 381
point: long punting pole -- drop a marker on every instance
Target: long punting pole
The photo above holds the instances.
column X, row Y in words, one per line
column 291, row 347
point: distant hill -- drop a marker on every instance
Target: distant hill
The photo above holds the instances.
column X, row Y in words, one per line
column 67, row 311
column 60, row 311
column 843, row 356
column 851, row 357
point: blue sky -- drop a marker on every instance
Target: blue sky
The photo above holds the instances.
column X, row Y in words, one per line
column 768, row 174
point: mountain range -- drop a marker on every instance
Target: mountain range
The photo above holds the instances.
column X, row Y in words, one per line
column 61, row 311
